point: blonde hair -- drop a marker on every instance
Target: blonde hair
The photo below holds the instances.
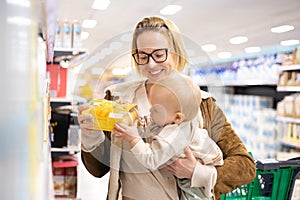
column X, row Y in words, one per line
column 185, row 91
column 167, row 28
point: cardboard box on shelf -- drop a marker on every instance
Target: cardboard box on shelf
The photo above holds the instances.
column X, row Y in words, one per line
column 65, row 176
column 58, row 181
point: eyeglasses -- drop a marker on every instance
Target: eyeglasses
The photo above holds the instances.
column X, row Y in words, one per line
column 158, row 55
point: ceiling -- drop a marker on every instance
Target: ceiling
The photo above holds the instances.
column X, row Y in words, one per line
column 201, row 22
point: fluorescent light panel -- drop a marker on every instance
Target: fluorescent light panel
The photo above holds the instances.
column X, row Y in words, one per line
column 89, row 23
column 170, row 9
column 208, row 47
column 224, row 55
column 100, row 4
column 21, row 3
column 282, row 29
column 238, row 40
column 252, row 49
column 289, row 42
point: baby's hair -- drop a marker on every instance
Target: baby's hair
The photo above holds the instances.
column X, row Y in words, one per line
column 186, row 92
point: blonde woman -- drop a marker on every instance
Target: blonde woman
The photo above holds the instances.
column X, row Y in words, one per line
column 158, row 50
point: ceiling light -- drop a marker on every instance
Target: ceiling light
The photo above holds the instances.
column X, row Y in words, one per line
column 282, row 29
column 18, row 20
column 208, row 47
column 84, row 35
column 89, row 23
column 170, row 9
column 224, row 55
column 238, row 40
column 289, row 42
column 22, row 3
column 100, row 4
column 252, row 49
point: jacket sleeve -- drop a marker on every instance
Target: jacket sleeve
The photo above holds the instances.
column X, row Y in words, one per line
column 239, row 167
column 97, row 161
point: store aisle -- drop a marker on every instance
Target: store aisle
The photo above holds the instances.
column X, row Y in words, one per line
column 90, row 188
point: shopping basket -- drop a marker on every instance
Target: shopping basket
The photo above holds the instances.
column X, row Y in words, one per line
column 274, row 180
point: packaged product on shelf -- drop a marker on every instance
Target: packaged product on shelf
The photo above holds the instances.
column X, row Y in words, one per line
column 77, row 43
column 70, row 183
column 297, row 78
column 297, row 106
column 280, row 109
column 58, row 180
column 297, row 56
column 58, row 35
column 107, row 113
column 289, row 106
column 67, row 34
column 288, row 59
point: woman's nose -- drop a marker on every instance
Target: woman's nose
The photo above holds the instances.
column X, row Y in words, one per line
column 151, row 62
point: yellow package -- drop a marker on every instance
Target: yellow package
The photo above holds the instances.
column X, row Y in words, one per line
column 107, row 113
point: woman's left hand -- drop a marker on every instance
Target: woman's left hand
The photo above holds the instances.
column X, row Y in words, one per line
column 183, row 167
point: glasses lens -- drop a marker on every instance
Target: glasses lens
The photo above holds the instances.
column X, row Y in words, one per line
column 159, row 55
column 141, row 58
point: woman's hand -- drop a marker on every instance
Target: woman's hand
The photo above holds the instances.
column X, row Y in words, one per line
column 89, row 138
column 183, row 167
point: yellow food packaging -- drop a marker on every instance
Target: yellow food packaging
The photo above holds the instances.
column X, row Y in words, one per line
column 106, row 113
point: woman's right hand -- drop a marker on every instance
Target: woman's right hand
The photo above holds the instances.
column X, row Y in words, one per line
column 85, row 120
column 90, row 138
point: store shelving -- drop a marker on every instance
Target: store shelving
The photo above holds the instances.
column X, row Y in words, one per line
column 70, row 150
column 288, row 119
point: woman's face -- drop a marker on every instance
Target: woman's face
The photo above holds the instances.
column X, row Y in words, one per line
column 147, row 42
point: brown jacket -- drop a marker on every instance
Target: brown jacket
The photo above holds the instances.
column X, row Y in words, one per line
column 238, row 169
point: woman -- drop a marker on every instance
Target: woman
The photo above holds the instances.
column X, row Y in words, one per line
column 157, row 49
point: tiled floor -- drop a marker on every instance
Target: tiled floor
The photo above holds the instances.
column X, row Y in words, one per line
column 89, row 187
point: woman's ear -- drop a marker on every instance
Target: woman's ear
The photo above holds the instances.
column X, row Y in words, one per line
column 178, row 117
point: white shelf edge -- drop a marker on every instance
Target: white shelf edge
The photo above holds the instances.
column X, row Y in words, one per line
column 291, row 144
column 288, row 119
column 242, row 83
column 69, row 149
column 289, row 68
column 288, row 89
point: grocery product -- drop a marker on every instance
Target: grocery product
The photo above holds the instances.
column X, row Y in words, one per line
column 106, row 113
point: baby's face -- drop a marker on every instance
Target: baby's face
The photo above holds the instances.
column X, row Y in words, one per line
column 164, row 105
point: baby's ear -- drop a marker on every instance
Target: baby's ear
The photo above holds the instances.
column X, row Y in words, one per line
column 178, row 117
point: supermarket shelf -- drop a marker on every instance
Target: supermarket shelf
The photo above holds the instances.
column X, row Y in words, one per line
column 241, row 83
column 71, row 150
column 291, row 144
column 289, row 68
column 288, row 119
column 54, row 99
column 288, row 88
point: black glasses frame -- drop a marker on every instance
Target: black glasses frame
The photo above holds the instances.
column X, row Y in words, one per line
column 135, row 56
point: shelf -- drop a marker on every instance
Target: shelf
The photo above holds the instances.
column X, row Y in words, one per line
column 71, row 150
column 241, row 83
column 68, row 52
column 288, row 88
column 289, row 68
column 288, row 119
column 291, row 144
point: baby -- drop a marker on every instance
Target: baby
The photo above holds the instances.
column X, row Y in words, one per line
column 176, row 119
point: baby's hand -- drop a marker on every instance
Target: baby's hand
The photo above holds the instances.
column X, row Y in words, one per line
column 125, row 132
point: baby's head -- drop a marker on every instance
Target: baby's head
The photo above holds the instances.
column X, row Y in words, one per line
column 174, row 98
